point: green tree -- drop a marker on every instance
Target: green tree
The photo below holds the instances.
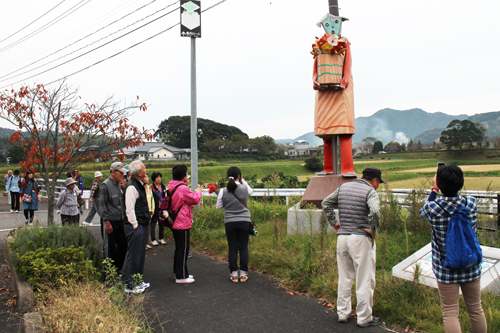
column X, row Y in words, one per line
column 16, row 154
column 377, row 146
column 461, row 132
column 176, row 131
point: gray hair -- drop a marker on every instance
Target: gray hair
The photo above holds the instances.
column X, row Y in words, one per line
column 135, row 168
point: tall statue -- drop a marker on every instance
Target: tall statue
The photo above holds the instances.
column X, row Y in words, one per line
column 334, row 107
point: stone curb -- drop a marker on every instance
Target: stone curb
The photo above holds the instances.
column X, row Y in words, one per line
column 24, row 291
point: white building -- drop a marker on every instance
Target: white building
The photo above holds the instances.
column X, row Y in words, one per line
column 154, row 151
column 299, row 148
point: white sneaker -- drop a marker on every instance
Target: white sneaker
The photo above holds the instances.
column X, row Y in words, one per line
column 155, row 243
column 162, row 242
column 88, row 223
column 234, row 276
column 17, row 211
column 243, row 276
column 12, row 211
column 190, row 276
column 144, row 285
column 188, row 280
column 135, row 290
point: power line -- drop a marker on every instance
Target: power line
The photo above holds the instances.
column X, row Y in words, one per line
column 118, row 53
column 98, row 47
column 46, row 26
column 18, row 31
column 81, row 48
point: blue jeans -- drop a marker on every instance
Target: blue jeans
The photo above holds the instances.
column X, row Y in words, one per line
column 237, row 241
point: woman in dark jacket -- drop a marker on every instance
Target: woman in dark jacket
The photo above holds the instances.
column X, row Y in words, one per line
column 28, row 191
column 234, row 198
column 159, row 192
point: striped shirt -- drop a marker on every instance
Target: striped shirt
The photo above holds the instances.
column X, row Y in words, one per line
column 438, row 219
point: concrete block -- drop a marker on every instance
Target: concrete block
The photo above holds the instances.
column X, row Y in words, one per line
column 307, row 221
column 33, row 322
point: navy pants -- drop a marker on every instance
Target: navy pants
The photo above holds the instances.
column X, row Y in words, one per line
column 237, row 241
column 136, row 254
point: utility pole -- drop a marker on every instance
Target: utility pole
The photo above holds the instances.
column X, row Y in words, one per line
column 191, row 27
column 194, row 119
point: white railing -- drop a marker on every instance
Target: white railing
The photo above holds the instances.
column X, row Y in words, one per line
column 488, row 202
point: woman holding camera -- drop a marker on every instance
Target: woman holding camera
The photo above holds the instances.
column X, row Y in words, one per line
column 449, row 180
column 234, row 198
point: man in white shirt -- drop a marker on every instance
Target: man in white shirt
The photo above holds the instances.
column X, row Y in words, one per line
column 136, row 227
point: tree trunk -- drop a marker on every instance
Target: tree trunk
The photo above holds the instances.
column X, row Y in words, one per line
column 51, row 186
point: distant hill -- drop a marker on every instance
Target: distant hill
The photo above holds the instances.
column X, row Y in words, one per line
column 5, row 132
column 389, row 125
column 393, row 125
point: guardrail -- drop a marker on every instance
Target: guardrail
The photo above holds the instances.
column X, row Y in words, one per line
column 488, row 202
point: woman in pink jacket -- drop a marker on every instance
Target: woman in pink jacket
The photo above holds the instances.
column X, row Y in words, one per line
column 184, row 199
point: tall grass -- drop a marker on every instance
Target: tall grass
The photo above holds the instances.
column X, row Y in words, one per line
column 307, row 262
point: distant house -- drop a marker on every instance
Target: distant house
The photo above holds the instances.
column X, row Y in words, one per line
column 299, row 148
column 154, row 151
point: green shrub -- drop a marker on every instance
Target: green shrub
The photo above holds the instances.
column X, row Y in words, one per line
column 313, row 164
column 35, row 237
column 46, row 268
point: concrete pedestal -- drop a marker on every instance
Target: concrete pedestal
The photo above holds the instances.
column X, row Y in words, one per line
column 321, row 186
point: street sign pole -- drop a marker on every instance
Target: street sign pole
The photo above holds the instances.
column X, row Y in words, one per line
column 194, row 125
column 191, row 27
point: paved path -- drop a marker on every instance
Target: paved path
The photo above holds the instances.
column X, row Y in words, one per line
column 213, row 303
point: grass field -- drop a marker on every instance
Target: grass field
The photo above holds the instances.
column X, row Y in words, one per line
column 401, row 170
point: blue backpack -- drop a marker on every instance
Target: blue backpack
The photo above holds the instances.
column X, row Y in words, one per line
column 462, row 246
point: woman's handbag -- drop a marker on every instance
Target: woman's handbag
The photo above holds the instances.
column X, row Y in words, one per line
column 252, row 227
column 81, row 202
column 26, row 198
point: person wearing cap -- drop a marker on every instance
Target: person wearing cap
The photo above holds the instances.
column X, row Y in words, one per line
column 94, row 198
column 359, row 213
column 136, row 226
column 112, row 208
column 68, row 203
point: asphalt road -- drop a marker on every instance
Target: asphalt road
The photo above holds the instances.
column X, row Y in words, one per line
column 213, row 303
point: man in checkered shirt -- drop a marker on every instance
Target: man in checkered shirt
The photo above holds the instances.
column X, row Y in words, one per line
column 449, row 180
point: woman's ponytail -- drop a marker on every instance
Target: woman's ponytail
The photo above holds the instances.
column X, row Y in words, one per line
column 233, row 173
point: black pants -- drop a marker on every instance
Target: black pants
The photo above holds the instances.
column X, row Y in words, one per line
column 14, row 200
column 70, row 219
column 136, row 255
column 161, row 228
column 115, row 244
column 181, row 238
column 31, row 215
column 237, row 241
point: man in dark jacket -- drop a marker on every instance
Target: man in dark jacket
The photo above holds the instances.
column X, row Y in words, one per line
column 136, row 227
column 359, row 212
column 111, row 207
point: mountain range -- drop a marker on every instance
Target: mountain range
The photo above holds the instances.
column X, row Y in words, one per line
column 404, row 125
